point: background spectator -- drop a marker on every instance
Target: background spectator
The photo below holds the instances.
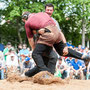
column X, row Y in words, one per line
column 61, row 68
column 12, row 61
column 27, row 65
column 6, row 50
column 76, row 68
column 2, row 65
column 19, row 48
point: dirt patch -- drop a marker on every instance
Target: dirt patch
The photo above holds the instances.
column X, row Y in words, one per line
column 16, row 78
column 47, row 78
column 43, row 77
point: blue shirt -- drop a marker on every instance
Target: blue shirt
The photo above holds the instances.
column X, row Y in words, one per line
column 1, row 47
column 76, row 65
column 25, row 52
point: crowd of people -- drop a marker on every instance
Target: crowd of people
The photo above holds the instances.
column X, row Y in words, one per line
column 44, row 34
column 20, row 59
column 72, row 67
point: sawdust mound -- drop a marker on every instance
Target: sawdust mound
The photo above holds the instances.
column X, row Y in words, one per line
column 17, row 78
column 42, row 79
column 13, row 78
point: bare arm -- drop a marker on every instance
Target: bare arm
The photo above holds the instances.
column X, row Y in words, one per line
column 63, row 37
column 31, row 43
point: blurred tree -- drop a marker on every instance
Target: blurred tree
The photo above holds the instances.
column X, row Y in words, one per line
column 73, row 17
column 69, row 14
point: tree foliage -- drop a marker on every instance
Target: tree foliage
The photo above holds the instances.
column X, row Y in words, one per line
column 68, row 13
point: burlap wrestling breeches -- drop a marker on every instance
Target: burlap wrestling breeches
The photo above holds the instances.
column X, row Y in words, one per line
column 50, row 38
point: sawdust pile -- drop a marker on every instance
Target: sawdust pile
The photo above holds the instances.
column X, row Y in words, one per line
column 42, row 79
column 15, row 76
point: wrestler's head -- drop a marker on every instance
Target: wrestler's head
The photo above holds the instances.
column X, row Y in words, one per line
column 25, row 16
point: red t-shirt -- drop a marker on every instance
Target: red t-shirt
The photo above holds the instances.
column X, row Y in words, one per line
column 37, row 21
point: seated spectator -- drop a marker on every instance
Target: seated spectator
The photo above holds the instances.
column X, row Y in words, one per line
column 76, row 68
column 19, row 48
column 86, row 51
column 6, row 50
column 21, row 62
column 61, row 68
column 12, row 61
column 30, row 52
column 2, row 65
column 27, row 65
column 24, row 52
column 87, row 70
column 68, row 62
column 30, row 55
column 12, row 51
column 80, row 48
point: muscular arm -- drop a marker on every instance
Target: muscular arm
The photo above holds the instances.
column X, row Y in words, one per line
column 63, row 37
column 29, row 34
column 31, row 42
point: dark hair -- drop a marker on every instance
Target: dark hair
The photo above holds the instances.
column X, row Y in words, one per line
column 9, row 43
column 49, row 5
column 25, row 15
